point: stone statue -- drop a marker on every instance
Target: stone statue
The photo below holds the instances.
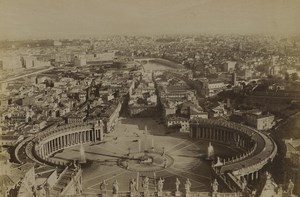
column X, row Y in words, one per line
column 132, row 186
column 160, row 184
column 103, row 185
column 187, row 186
column 177, row 183
column 243, row 183
column 165, row 163
column 47, row 189
column 253, row 193
column 146, row 183
column 215, row 185
column 210, row 151
column 268, row 175
column 290, row 188
column 115, row 187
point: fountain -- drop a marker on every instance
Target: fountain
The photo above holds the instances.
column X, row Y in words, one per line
column 210, row 152
column 82, row 154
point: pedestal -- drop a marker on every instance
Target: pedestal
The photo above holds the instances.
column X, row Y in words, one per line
column 132, row 194
column 115, row 195
column 177, row 193
column 159, row 194
column 187, row 194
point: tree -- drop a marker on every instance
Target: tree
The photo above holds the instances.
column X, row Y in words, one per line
column 294, row 77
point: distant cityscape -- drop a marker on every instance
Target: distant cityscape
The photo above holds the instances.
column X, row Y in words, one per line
column 163, row 115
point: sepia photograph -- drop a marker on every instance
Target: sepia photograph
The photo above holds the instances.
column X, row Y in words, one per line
column 149, row 98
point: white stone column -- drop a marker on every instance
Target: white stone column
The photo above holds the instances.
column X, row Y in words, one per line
column 96, row 134
column 42, row 151
column 60, row 142
column 47, row 148
column 55, row 144
column 70, row 140
column 66, row 141
column 52, row 146
column 74, row 138
column 101, row 134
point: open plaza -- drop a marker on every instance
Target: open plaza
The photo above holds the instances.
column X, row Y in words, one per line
column 185, row 157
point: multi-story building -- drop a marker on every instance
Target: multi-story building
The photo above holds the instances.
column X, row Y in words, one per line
column 212, row 88
column 11, row 63
column 260, row 121
column 94, row 59
column 177, row 121
column 229, row 66
column 109, row 114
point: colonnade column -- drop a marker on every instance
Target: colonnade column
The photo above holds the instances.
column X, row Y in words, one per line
column 51, row 146
column 80, row 137
column 42, row 151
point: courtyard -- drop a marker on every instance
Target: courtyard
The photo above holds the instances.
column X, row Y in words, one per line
column 143, row 147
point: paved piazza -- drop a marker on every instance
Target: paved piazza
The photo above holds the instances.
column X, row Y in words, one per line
column 127, row 153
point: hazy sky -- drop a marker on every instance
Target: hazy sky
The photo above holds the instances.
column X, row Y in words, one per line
column 73, row 18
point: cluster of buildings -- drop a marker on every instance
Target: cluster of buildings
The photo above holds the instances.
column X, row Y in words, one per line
column 214, row 55
column 178, row 101
column 78, row 88
column 63, row 95
column 39, row 103
column 143, row 99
